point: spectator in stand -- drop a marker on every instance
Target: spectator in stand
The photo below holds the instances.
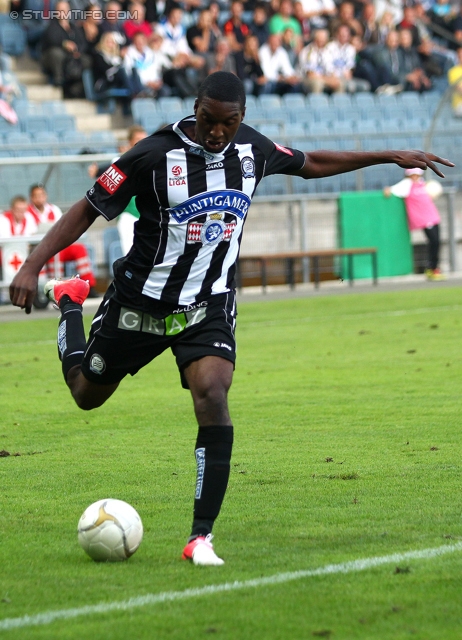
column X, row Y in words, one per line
column 109, row 71
column 343, row 59
column 146, row 63
column 63, row 43
column 201, row 37
column 412, row 75
column 386, row 24
column 183, row 74
column 442, row 14
column 46, row 215
column 455, row 80
column 408, row 22
column 276, row 67
column 221, row 59
column 112, row 23
column 387, row 64
column 364, row 67
column 252, row 74
column 315, row 65
column 283, row 20
column 215, row 12
column 393, row 7
column 346, row 15
column 138, row 23
column 236, row 31
column 91, row 27
column 259, row 25
column 371, row 31
column 304, row 23
column 18, row 221
column 291, row 44
column 319, row 12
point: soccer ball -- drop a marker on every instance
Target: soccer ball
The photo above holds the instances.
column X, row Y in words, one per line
column 110, row 530
column 434, row 188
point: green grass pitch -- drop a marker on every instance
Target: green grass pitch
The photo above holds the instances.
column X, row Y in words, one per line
column 347, row 446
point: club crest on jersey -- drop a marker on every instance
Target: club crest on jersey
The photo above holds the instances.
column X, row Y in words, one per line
column 111, row 179
column 210, row 232
column 248, row 167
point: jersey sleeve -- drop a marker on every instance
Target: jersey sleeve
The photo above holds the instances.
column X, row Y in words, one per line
column 123, row 180
column 281, row 159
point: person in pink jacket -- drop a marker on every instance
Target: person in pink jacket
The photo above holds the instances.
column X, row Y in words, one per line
column 421, row 213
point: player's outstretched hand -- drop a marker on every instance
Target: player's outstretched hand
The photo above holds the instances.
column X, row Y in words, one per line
column 422, row 160
column 23, row 289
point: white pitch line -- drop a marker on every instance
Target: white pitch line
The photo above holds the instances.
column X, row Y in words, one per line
column 169, row 596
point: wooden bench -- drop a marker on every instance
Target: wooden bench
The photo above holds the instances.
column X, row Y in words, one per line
column 313, row 262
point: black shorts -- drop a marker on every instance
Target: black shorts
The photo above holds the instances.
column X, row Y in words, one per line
column 123, row 340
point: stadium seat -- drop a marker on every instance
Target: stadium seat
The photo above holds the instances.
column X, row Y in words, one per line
column 34, row 124
column 110, row 235
column 141, row 107
column 170, row 104
column 12, row 39
column 295, row 129
column 49, row 143
column 105, row 100
column 152, row 121
column 341, row 100
column 409, row 99
column 115, row 252
column 270, row 102
column 188, row 105
column 293, row 101
column 62, row 122
column 52, row 107
column 318, row 100
column 270, row 130
column 364, row 100
column 103, row 141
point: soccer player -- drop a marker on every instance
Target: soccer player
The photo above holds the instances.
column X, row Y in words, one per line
column 193, row 182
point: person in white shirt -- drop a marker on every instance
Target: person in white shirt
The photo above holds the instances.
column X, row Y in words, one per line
column 343, row 56
column 18, row 221
column 45, row 215
column 316, row 67
column 319, row 12
column 149, row 64
column 182, row 76
column 276, row 67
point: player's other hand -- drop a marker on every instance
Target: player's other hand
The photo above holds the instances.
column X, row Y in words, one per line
column 422, row 160
column 23, row 289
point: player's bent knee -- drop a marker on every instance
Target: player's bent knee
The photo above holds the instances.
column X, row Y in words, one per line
column 88, row 395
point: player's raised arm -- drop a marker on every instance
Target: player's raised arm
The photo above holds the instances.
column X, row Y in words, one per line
column 67, row 230
column 320, row 164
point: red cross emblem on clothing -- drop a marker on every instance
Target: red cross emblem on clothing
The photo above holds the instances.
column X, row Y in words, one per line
column 15, row 262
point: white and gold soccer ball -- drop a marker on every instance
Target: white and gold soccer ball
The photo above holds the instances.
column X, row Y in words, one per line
column 110, row 530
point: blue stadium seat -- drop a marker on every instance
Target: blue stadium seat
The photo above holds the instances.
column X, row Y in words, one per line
column 366, row 127
column 270, row 102
column 188, row 105
column 73, row 142
column 170, row 104
column 364, row 100
column 293, row 101
column 341, row 100
column 105, row 100
column 295, row 129
column 409, row 99
column 141, row 107
column 18, row 137
column 152, row 121
column 317, row 100
column 110, row 235
column 393, row 126
column 49, row 143
column 52, row 107
column 62, row 122
column 115, row 252
column 272, row 131
column 34, row 124
column 12, row 39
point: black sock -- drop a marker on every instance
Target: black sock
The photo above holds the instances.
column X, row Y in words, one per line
column 213, row 456
column 71, row 335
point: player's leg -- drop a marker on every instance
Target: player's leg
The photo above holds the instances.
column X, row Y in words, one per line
column 209, row 380
column 69, row 296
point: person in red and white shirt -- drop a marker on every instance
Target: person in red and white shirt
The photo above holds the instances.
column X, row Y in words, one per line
column 18, row 221
column 46, row 214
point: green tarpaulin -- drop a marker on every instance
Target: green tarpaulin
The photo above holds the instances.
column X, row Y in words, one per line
column 368, row 219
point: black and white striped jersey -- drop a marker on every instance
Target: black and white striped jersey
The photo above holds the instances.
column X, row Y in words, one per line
column 193, row 206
